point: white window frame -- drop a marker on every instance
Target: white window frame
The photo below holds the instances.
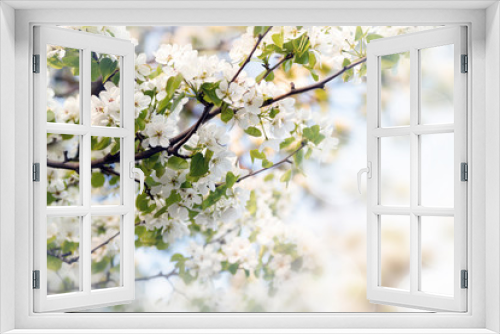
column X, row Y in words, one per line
column 86, row 297
column 484, row 147
column 414, row 43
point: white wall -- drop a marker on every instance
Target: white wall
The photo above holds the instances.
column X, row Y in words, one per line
column 492, row 164
column 7, row 159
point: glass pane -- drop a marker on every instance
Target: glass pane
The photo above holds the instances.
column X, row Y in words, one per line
column 437, row 80
column 63, row 180
column 105, row 176
column 395, row 252
column 395, row 89
column 395, row 171
column 437, row 154
column 63, row 85
column 436, row 237
column 63, row 241
column 105, row 251
column 105, row 89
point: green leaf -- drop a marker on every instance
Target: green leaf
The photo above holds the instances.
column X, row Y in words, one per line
column 97, row 180
column 314, row 75
column 256, row 154
column 286, row 176
column 231, row 179
column 173, row 84
column 258, row 30
column 53, row 263
column 233, row 268
column 298, row 157
column 287, row 142
column 274, row 112
column 173, row 198
column 116, row 147
column 95, row 73
column 287, row 65
column 220, row 191
column 107, row 66
column 371, row 37
column 69, row 246
column 313, row 134
column 253, row 131
column 209, row 88
column 100, row 266
column 177, row 163
column 278, row 39
column 302, row 59
column 269, row 177
column 266, row 163
column 359, row 33
column 97, row 145
column 389, row 61
column 270, row 76
column 226, row 114
column 312, row 60
column 252, row 203
column 199, row 164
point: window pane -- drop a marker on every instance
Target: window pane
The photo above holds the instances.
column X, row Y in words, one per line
column 437, row 80
column 437, row 172
column 395, row 89
column 63, row 241
column 105, row 89
column 63, row 184
column 63, row 85
column 106, row 251
column 436, row 237
column 395, row 252
column 105, row 176
column 395, row 171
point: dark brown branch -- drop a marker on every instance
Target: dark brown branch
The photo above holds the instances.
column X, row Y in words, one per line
column 160, row 274
column 318, row 85
column 174, row 150
column 76, row 258
column 278, row 64
column 282, row 161
column 247, row 60
column 214, row 112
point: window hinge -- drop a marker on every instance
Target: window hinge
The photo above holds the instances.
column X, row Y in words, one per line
column 465, row 279
column 36, row 63
column 464, row 172
column 36, row 172
column 465, row 64
column 36, row 279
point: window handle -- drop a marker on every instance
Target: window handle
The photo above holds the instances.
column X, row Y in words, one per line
column 135, row 170
column 368, row 171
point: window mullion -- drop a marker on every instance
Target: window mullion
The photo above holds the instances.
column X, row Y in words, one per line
column 414, row 171
column 85, row 173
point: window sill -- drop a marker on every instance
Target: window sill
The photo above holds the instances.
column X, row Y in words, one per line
column 252, row 331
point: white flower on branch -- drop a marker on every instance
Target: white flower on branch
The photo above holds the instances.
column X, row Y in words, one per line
column 159, row 130
column 106, row 107
column 141, row 102
column 142, row 68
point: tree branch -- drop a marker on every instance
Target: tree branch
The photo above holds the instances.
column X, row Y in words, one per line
column 320, row 84
column 282, row 161
column 247, row 60
column 211, row 114
column 278, row 64
column 62, row 257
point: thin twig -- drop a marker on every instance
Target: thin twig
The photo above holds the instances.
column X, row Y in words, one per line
column 247, row 60
column 286, row 159
column 278, row 64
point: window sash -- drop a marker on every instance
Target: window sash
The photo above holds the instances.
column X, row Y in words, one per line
column 414, row 297
column 86, row 297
